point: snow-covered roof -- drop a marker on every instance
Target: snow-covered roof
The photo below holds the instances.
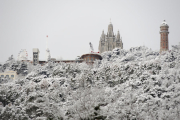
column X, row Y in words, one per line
column 42, row 60
column 164, row 23
column 36, row 50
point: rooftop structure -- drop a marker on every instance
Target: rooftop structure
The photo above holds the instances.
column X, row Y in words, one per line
column 9, row 74
column 36, row 56
column 91, row 57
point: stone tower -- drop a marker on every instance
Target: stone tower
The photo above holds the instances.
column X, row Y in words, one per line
column 36, row 56
column 110, row 41
column 164, row 44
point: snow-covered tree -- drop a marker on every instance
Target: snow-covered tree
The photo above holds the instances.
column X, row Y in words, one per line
column 137, row 84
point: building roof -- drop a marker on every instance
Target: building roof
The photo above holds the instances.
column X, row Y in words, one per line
column 94, row 54
column 36, row 50
column 164, row 23
column 11, row 71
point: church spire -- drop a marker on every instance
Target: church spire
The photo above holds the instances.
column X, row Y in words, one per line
column 118, row 36
column 110, row 29
column 103, row 35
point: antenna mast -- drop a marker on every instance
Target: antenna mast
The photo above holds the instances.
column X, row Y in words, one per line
column 91, row 46
column 47, row 42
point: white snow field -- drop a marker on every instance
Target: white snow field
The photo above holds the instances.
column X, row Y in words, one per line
column 135, row 84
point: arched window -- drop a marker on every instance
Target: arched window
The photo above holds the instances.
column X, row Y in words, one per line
column 7, row 76
column 2, row 76
column 12, row 76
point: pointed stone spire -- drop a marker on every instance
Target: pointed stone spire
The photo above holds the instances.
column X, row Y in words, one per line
column 110, row 30
column 118, row 35
column 103, row 35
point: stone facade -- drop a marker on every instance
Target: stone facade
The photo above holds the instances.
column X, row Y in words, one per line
column 110, row 41
column 9, row 74
column 164, row 44
column 36, row 56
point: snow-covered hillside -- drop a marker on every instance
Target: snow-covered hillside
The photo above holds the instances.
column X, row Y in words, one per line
column 135, row 84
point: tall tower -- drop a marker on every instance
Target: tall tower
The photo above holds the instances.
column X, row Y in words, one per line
column 164, row 44
column 36, row 56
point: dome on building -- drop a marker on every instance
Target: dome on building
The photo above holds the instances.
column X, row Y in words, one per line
column 164, row 23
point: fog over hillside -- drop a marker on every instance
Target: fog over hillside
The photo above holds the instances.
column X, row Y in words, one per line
column 134, row 84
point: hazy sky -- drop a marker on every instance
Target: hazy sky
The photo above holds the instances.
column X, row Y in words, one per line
column 72, row 24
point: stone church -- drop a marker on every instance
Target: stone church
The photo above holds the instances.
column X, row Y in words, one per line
column 110, row 41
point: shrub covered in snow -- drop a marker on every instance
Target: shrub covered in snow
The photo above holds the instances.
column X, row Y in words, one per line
column 127, row 84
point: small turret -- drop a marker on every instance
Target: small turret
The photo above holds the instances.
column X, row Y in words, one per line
column 102, row 38
column 118, row 36
column 121, row 43
column 164, row 23
column 103, row 35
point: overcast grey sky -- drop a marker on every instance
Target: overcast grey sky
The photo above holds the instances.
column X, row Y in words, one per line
column 72, row 24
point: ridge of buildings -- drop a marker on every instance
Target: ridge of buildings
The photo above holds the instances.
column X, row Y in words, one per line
column 107, row 42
